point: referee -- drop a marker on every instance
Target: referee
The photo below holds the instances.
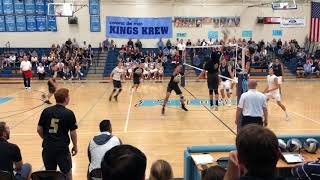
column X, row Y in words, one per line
column 252, row 106
column 54, row 126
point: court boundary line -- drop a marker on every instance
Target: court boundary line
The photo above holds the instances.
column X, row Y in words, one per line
column 128, row 114
column 297, row 114
column 170, row 131
column 219, row 119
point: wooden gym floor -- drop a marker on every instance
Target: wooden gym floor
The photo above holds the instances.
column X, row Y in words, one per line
column 158, row 136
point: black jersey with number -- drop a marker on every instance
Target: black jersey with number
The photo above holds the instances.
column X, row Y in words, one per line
column 137, row 72
column 224, row 71
column 56, row 122
column 212, row 67
column 175, row 79
column 277, row 69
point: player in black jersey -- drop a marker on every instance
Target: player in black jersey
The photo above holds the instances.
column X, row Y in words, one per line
column 137, row 76
column 278, row 71
column 173, row 85
column 52, row 87
column 212, row 68
column 225, row 71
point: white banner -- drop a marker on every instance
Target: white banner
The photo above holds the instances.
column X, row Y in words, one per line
column 292, row 22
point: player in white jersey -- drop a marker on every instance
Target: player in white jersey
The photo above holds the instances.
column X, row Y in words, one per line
column 272, row 90
column 116, row 75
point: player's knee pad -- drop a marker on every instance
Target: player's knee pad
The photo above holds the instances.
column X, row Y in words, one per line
column 114, row 90
column 211, row 92
column 216, row 92
column 181, row 97
column 228, row 90
column 120, row 90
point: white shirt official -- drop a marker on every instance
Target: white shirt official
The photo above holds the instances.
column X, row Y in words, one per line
column 25, row 65
column 252, row 103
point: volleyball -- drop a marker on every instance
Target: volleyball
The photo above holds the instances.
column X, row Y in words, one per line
column 282, row 145
column 311, row 145
column 294, row 145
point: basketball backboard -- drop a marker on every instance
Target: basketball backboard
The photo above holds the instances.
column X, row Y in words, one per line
column 284, row 5
column 60, row 9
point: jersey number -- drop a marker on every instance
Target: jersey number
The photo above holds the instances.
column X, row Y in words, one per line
column 54, row 126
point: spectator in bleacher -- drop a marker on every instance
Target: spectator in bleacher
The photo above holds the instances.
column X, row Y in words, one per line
column 203, row 42
column 12, row 59
column 34, row 59
column 75, row 44
column 181, row 48
column 113, row 44
column 160, row 44
column 68, row 44
column 307, row 67
column 79, row 74
column 130, row 43
column 213, row 173
column 161, row 170
column 168, row 44
column 84, row 45
column 189, row 43
column 21, row 53
column 106, row 44
column 300, row 69
column 56, row 137
column 256, row 156
column 44, row 59
column 124, row 162
column 10, row 156
column 317, row 68
column 138, row 44
column 41, row 72
column 100, row 144
column 26, row 69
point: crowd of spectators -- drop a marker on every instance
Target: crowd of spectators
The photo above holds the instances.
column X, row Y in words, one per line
column 66, row 61
column 260, row 54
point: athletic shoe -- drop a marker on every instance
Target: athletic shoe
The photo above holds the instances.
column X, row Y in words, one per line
column 26, row 88
column 115, row 98
column 229, row 102
column 163, row 110
column 184, row 107
column 110, row 98
column 287, row 116
column 29, row 88
column 43, row 97
column 47, row 102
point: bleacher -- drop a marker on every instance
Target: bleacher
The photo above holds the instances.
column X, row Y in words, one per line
column 14, row 72
column 112, row 61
